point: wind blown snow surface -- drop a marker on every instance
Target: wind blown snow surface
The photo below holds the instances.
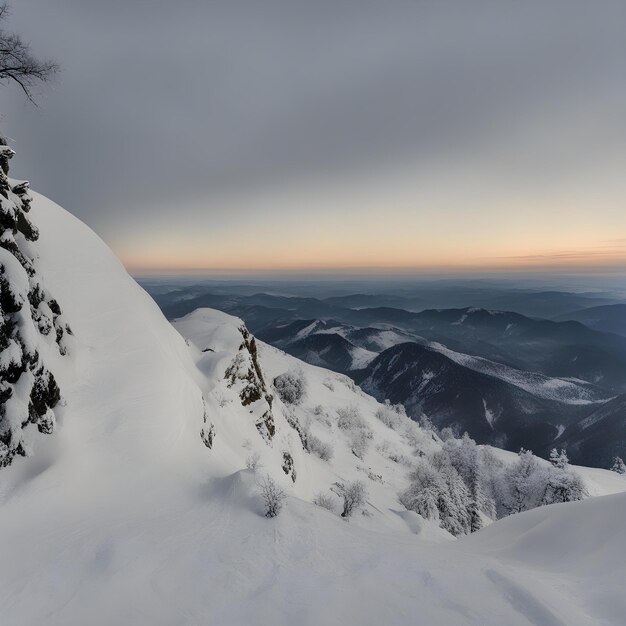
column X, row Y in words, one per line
column 126, row 516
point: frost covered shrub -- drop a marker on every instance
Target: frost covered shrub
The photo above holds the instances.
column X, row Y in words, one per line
column 392, row 453
column 325, row 501
column 273, row 496
column 349, row 418
column 291, row 387
column 448, row 433
column 392, row 415
column 618, row 466
column 319, row 448
column 354, row 495
column 253, row 461
column 360, row 442
column 528, row 483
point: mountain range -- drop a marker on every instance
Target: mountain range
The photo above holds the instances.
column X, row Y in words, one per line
column 505, row 378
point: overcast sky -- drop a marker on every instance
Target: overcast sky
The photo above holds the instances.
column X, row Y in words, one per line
column 260, row 134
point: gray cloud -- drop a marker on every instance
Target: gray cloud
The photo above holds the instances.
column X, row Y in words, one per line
column 158, row 99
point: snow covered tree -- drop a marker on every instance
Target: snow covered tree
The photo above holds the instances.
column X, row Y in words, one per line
column 354, row 496
column 31, row 323
column 454, row 502
column 559, row 459
column 424, row 492
column 562, row 484
column 467, row 459
column 521, row 481
column 618, row 465
column 475, row 520
column 437, row 492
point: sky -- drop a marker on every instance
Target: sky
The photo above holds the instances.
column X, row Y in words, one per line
column 355, row 136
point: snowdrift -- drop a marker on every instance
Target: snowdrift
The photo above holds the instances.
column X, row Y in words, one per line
column 139, row 509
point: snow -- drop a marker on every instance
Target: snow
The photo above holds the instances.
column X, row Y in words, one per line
column 579, row 544
column 361, row 357
column 387, row 338
column 124, row 516
column 490, row 416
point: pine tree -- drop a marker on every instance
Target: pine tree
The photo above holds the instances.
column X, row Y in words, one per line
column 29, row 317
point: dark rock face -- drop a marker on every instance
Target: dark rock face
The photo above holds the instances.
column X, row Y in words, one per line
column 29, row 319
column 207, row 434
column 289, row 466
column 245, row 370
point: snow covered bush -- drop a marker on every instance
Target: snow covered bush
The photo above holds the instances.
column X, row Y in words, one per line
column 354, row 495
column 618, row 466
column 529, row 483
column 273, row 496
column 319, row 448
column 253, row 461
column 389, row 451
column 349, row 418
column 325, row 501
column 392, row 415
column 360, row 442
column 291, row 387
column 31, row 323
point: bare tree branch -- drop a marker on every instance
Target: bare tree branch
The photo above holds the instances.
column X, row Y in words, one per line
column 17, row 63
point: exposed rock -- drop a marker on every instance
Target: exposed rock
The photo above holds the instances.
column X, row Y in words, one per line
column 245, row 371
column 289, row 466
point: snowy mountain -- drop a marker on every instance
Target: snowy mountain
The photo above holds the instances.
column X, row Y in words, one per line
column 494, row 403
column 600, row 437
column 339, row 347
column 609, row 318
column 144, row 506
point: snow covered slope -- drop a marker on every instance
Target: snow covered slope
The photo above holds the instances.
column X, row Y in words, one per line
column 125, row 515
column 581, row 544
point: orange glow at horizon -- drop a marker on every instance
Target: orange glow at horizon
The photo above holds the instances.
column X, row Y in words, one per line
column 441, row 221
column 187, row 262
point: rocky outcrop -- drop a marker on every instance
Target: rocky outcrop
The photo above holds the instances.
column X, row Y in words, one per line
column 245, row 372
